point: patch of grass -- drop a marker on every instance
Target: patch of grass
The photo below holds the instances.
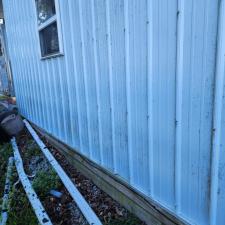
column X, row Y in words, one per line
column 21, row 212
column 5, row 153
column 44, row 182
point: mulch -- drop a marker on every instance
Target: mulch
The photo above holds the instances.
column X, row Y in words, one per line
column 64, row 211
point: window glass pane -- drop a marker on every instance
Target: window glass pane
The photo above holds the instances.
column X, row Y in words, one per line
column 49, row 40
column 45, row 10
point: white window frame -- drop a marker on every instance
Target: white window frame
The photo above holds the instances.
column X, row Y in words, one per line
column 56, row 18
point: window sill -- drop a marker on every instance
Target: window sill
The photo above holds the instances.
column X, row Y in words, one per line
column 52, row 56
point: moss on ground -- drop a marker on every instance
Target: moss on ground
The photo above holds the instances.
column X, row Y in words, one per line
column 21, row 212
column 5, row 153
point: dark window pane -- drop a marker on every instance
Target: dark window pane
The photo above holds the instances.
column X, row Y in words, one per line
column 49, row 40
column 45, row 10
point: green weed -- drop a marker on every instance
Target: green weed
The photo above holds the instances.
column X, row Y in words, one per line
column 44, row 182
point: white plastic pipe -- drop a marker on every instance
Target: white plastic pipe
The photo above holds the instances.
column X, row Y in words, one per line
column 39, row 210
column 5, row 199
column 78, row 198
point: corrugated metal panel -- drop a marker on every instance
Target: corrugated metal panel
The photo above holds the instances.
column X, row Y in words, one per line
column 196, row 67
column 134, row 92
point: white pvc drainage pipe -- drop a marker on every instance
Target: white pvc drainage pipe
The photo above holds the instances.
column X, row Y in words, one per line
column 5, row 202
column 32, row 196
column 78, row 198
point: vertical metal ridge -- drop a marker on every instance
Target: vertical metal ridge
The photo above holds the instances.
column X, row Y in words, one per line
column 110, row 82
column 36, row 87
column 64, row 86
column 150, row 94
column 50, row 106
column 179, row 102
column 217, row 115
column 26, row 79
column 96, row 79
column 63, row 98
column 33, row 71
column 85, row 74
column 44, row 92
column 127, row 54
column 170, row 84
column 72, row 114
column 190, row 111
column 29, row 65
column 30, row 70
column 20, row 78
column 55, row 105
column 40, row 110
column 75, row 76
column 57, row 96
column 165, row 86
column 35, row 91
column 66, row 104
column 68, row 92
column 203, row 81
column 45, row 97
column 38, row 66
column 25, row 72
column 157, row 158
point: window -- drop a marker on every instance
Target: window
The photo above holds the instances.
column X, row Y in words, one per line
column 48, row 28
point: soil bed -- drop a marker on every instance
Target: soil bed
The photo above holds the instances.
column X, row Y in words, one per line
column 63, row 210
column 44, row 179
column 107, row 209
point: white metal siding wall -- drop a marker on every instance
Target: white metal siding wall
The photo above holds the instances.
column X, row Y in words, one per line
column 134, row 92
